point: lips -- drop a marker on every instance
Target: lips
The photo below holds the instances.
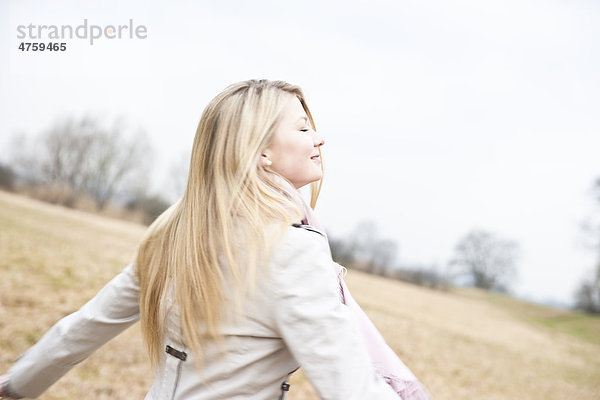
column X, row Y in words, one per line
column 315, row 157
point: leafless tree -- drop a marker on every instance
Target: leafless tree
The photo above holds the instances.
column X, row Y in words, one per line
column 85, row 157
column 590, row 227
column 383, row 254
column 362, row 241
column 587, row 297
column 113, row 159
column 7, row 177
column 67, row 146
column 486, row 258
column 365, row 249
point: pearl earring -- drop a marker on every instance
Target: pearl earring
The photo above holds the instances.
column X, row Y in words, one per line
column 268, row 162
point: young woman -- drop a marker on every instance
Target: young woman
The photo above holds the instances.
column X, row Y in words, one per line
column 234, row 285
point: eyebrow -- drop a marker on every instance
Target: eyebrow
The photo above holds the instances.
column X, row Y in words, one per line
column 304, row 118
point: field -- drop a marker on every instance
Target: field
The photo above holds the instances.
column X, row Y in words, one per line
column 462, row 344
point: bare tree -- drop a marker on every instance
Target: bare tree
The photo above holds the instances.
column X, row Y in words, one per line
column 365, row 249
column 341, row 251
column 61, row 160
column 588, row 295
column 67, row 145
column 486, row 258
column 383, row 254
column 84, row 157
column 590, row 227
column 7, row 177
column 113, row 160
column 362, row 241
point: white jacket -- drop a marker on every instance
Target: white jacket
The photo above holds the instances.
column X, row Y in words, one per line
column 295, row 320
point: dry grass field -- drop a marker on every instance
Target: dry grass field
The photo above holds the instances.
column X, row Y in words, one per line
column 463, row 344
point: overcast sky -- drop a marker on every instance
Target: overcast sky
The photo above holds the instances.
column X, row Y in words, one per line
column 439, row 116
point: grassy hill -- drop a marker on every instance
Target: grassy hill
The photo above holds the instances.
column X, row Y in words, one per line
column 463, row 344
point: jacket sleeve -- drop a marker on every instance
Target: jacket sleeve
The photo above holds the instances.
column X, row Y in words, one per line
column 317, row 326
column 76, row 336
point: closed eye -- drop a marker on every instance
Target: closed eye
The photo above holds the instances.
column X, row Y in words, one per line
column 304, row 130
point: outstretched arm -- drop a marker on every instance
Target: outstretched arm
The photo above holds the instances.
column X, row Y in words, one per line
column 316, row 326
column 76, row 336
column 385, row 361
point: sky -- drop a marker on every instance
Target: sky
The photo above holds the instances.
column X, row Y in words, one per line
column 439, row 117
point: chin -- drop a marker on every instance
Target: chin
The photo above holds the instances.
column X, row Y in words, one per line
column 316, row 179
column 308, row 180
column 301, row 185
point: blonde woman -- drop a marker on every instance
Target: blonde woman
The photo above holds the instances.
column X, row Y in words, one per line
column 233, row 287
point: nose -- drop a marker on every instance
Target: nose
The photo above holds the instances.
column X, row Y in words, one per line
column 318, row 139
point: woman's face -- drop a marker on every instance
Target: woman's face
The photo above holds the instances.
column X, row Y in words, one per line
column 294, row 151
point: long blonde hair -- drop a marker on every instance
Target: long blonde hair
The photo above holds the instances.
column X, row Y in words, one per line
column 218, row 228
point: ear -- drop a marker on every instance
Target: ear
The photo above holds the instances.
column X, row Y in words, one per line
column 265, row 160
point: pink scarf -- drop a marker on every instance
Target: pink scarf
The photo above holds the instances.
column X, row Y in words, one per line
column 385, row 362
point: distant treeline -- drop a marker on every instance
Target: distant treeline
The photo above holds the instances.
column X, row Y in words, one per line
column 481, row 259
